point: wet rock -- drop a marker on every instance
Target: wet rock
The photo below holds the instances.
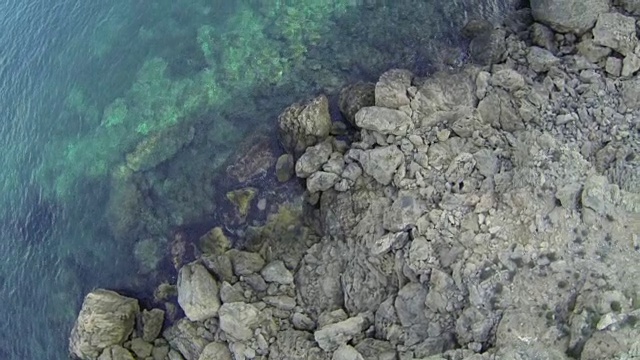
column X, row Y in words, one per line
column 383, row 120
column 241, row 200
column 488, row 47
column 106, row 319
column 216, row 351
column 321, row 181
column 187, row 338
column 152, row 321
column 355, row 97
column 284, row 167
column 214, row 242
column 304, row 125
column 330, row 337
column 313, row 159
column 381, row 163
column 575, row 16
column 252, row 160
column 197, row 292
column 159, row 147
column 616, row 31
column 391, row 89
column 276, row 272
column 238, row 320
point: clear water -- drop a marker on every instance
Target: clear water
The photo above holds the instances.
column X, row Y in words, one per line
column 68, row 66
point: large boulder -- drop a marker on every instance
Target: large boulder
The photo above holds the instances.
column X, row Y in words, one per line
column 304, row 125
column 106, row 318
column 574, row 16
column 197, row 292
column 384, row 120
column 354, row 97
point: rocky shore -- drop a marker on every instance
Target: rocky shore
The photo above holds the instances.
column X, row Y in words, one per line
column 487, row 212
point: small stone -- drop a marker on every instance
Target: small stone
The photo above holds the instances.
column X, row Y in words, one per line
column 302, row 322
column 160, row 352
column 508, row 79
column 330, row 337
column 541, row 60
column 575, row 16
column 381, row 163
column 313, row 159
column 591, row 51
column 152, row 321
column 630, row 64
column 281, row 302
column 613, row 66
column 346, row 352
column 321, row 181
column 276, row 272
column 256, row 282
column 284, row 167
column 141, row 348
column 216, row 351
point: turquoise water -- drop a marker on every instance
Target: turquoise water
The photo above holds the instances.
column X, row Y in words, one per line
column 82, row 83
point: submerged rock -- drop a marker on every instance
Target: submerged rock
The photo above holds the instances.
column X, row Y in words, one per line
column 576, row 16
column 304, row 125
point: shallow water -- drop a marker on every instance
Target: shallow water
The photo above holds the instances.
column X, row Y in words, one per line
column 64, row 64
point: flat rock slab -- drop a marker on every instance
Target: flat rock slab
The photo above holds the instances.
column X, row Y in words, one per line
column 384, row 120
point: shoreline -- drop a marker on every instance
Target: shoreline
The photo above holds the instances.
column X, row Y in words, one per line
column 490, row 212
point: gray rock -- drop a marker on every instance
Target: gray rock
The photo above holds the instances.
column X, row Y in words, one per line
column 575, row 16
column 276, row 272
column 304, row 125
column 346, row 352
column 116, row 352
column 486, row 162
column 632, row 6
column 404, row 212
column 613, row 66
column 381, row 163
column 216, row 351
column 389, row 241
column 383, row 120
column 141, row 348
column 255, row 282
column 152, row 321
column 174, row 355
column 631, row 93
column 245, row 263
column 284, row 167
column 231, row 293
column 295, row 345
column 498, row 109
column 366, row 282
column 160, row 352
column 187, row 338
column 238, row 320
column 616, row 31
column 282, row 302
column 391, row 89
column 541, row 60
column 106, row 319
column 352, row 172
column 475, row 325
column 335, row 164
column 355, row 97
column 321, row 181
column 197, row 292
column 330, row 337
column 488, row 47
column 313, row 159
column 220, row 266
column 543, row 37
column 410, row 304
column 591, row 51
column 630, row 64
column 508, row 79
column 302, row 322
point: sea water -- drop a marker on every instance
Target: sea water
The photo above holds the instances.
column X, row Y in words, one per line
column 83, row 82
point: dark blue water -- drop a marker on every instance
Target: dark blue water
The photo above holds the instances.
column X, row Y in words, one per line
column 63, row 62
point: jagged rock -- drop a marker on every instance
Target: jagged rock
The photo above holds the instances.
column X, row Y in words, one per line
column 498, row 109
column 116, row 352
column 313, row 159
column 197, row 292
column 160, row 352
column 216, row 351
column 591, row 51
column 543, row 37
column 575, row 16
column 365, row 284
column 141, row 348
column 631, row 93
column 238, row 320
column 220, row 266
column 346, row 352
column 632, row 6
column 330, row 337
column 389, row 241
column 302, row 322
column 276, row 272
column 295, row 344
column 391, row 89
column 381, row 163
column 321, row 181
column 187, row 338
column 383, row 120
column 106, row 319
column 541, row 60
column 231, row 293
column 244, row 262
column 488, row 47
column 152, row 321
column 409, row 304
column 282, row 302
column 355, row 97
column 376, row 349
column 508, row 79
column 304, row 125
column 404, row 212
column 616, row 31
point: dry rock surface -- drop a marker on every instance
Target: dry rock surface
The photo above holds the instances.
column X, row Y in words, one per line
column 489, row 212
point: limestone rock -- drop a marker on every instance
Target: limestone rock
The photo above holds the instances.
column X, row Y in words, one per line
column 617, row 32
column 593, row 52
column 330, row 337
column 508, row 79
column 383, row 120
column 220, row 266
column 116, row 352
column 244, row 262
column 313, row 159
column 499, row 109
column 293, row 344
column 541, row 60
column 355, row 97
column 197, row 292
column 346, row 352
column 141, row 348
column 391, row 89
column 632, row 6
column 187, row 338
column 238, row 319
column 321, row 181
column 216, row 351
column 152, row 321
column 381, row 163
column 304, row 125
column 276, row 272
column 404, row 212
column 106, row 319
column 575, row 16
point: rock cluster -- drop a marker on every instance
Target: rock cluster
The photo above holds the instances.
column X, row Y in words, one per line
column 492, row 212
